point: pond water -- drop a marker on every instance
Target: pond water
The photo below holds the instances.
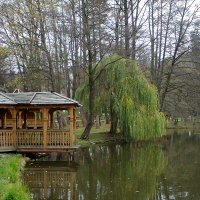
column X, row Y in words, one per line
column 121, row 172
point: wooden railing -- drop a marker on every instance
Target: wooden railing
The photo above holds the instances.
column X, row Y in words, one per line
column 33, row 138
column 58, row 138
column 6, row 139
column 29, row 138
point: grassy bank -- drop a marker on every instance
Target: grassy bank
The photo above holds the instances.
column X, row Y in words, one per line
column 101, row 135
column 11, row 187
column 183, row 125
column 97, row 135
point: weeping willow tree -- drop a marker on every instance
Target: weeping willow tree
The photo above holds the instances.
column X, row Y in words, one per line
column 131, row 100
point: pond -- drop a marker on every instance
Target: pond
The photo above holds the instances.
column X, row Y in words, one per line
column 121, row 172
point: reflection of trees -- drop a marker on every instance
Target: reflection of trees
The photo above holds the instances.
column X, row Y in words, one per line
column 181, row 179
column 104, row 172
column 122, row 172
column 51, row 181
column 116, row 172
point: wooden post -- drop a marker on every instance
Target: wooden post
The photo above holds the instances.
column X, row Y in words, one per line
column 1, row 122
column 35, row 121
column 5, row 121
column 74, row 110
column 44, row 122
column 71, row 129
column 14, row 126
column 24, row 126
column 20, row 119
column 51, row 119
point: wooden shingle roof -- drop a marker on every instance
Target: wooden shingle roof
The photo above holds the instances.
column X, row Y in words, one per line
column 36, row 98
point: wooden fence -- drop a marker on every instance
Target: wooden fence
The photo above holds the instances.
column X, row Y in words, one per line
column 32, row 138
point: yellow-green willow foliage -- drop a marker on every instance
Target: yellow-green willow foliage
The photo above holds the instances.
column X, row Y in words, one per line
column 122, row 85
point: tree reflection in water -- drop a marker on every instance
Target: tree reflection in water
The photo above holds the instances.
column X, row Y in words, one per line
column 103, row 172
column 120, row 172
column 181, row 177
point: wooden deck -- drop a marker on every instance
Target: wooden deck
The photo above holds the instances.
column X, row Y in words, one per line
column 33, row 141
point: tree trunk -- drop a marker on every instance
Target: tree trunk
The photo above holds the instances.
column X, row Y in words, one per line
column 97, row 122
column 87, row 35
column 90, row 121
column 113, row 126
column 127, row 53
column 44, row 46
column 84, row 117
column 113, row 119
column 107, row 118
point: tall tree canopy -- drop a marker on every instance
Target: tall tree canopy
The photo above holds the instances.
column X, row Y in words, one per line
column 54, row 44
column 131, row 100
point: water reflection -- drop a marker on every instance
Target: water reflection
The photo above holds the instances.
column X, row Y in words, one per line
column 120, row 172
column 181, row 177
column 50, row 180
column 103, row 172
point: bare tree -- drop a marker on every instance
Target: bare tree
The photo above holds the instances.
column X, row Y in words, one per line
column 169, row 29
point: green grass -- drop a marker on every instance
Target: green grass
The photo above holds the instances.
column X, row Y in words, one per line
column 99, row 135
column 183, row 125
column 11, row 187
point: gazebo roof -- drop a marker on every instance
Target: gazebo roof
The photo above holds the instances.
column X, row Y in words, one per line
column 36, row 98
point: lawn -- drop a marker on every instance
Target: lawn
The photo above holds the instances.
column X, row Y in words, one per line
column 97, row 135
column 11, row 187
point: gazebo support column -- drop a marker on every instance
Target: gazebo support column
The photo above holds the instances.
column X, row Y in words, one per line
column 71, row 129
column 24, row 119
column 5, row 121
column 35, row 120
column 14, row 126
column 74, row 110
column 51, row 118
column 20, row 120
column 45, row 122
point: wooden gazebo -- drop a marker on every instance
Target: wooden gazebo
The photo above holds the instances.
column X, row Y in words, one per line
column 37, row 122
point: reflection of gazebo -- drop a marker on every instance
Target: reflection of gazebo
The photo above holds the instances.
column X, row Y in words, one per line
column 51, row 181
column 30, row 121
